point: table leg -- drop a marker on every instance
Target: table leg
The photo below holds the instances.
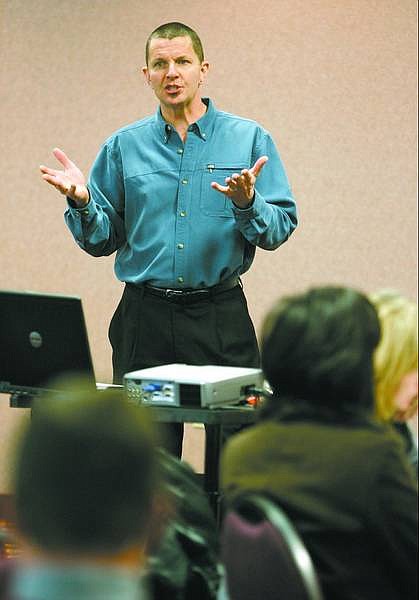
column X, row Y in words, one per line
column 211, row 466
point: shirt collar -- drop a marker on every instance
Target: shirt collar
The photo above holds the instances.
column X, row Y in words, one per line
column 69, row 582
column 203, row 127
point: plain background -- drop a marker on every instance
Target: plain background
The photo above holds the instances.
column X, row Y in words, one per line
column 334, row 81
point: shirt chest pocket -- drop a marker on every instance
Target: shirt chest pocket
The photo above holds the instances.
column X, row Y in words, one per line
column 212, row 202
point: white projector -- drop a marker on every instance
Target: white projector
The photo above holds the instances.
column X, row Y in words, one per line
column 191, row 385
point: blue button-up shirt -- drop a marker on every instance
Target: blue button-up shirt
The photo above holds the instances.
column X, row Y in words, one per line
column 152, row 202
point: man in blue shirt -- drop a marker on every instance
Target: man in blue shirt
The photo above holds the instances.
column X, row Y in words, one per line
column 183, row 197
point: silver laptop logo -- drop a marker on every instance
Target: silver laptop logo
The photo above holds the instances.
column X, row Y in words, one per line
column 35, row 339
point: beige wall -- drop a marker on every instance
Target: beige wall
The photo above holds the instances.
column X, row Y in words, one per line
column 333, row 80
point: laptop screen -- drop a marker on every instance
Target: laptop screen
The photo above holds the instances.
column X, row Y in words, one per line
column 42, row 337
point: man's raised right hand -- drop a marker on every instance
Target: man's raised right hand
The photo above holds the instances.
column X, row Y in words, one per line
column 70, row 181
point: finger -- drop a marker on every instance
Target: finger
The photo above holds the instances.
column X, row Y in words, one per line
column 49, row 179
column 48, row 170
column 63, row 158
column 220, row 188
column 63, row 186
column 248, row 178
column 248, row 175
column 244, row 181
column 71, row 190
column 52, row 180
column 258, row 166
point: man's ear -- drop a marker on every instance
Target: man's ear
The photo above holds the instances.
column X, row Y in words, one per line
column 146, row 75
column 204, row 70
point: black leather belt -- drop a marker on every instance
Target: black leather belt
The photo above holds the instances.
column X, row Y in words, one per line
column 191, row 295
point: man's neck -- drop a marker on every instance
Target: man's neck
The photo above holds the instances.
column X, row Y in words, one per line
column 132, row 557
column 183, row 116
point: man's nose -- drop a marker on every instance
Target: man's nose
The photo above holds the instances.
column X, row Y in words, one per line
column 171, row 69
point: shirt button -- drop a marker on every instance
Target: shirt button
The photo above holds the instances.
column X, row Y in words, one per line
column 182, row 213
column 184, row 181
column 180, row 151
column 180, row 246
column 180, row 279
column 204, row 135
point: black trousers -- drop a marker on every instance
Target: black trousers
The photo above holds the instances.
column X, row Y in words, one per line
column 147, row 331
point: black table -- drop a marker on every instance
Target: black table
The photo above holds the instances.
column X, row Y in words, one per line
column 214, row 420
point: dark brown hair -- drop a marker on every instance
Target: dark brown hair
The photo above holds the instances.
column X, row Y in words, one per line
column 172, row 30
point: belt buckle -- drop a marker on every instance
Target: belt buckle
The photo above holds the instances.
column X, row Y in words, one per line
column 169, row 293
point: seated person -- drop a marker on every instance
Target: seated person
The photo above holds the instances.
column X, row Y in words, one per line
column 85, row 486
column 184, row 564
column 341, row 476
column 396, row 365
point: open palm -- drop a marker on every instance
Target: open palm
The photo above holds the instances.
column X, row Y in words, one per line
column 70, row 181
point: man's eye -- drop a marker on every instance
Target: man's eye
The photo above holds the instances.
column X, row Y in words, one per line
column 183, row 61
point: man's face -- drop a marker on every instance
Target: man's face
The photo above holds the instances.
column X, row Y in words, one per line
column 174, row 71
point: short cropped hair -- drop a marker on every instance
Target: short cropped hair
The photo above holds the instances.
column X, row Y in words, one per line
column 317, row 349
column 171, row 30
column 85, row 473
column 397, row 352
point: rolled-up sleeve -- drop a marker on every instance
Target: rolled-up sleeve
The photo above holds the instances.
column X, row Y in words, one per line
column 272, row 217
column 98, row 228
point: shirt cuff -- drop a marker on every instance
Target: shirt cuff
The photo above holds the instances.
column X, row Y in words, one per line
column 85, row 210
column 251, row 211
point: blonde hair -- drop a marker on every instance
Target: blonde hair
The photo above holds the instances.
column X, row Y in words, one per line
column 397, row 352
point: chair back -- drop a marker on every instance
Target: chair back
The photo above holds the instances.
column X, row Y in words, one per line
column 263, row 555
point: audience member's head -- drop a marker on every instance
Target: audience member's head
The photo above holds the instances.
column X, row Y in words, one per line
column 86, row 476
column 317, row 350
column 396, row 357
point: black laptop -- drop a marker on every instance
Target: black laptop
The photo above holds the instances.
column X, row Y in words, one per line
column 42, row 337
